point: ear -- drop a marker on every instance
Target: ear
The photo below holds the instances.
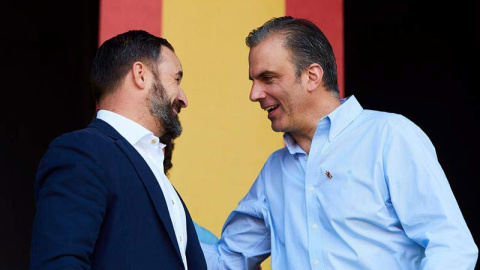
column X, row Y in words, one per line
column 315, row 76
column 139, row 74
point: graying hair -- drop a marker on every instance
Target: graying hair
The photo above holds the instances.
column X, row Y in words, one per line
column 306, row 43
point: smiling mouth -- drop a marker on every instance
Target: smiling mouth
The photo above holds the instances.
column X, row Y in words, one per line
column 271, row 108
column 176, row 107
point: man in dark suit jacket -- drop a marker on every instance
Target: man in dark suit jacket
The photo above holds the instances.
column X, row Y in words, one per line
column 103, row 200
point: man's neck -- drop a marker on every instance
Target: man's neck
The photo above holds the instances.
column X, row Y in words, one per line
column 327, row 105
column 303, row 141
column 133, row 112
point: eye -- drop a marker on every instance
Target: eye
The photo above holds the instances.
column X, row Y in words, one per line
column 268, row 79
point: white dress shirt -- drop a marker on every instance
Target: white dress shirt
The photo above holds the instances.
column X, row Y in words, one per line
column 151, row 149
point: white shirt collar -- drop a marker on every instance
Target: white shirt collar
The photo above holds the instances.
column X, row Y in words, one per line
column 130, row 130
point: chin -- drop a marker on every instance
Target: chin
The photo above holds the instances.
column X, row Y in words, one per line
column 277, row 128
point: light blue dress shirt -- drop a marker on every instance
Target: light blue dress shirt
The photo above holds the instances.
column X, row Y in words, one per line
column 205, row 236
column 370, row 195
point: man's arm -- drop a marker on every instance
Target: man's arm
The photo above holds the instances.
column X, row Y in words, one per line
column 71, row 203
column 245, row 241
column 205, row 236
column 423, row 199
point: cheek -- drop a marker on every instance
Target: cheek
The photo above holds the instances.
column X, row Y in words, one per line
column 171, row 93
column 276, row 91
column 293, row 105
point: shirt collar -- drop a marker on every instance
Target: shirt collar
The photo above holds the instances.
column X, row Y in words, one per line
column 130, row 130
column 340, row 118
column 292, row 145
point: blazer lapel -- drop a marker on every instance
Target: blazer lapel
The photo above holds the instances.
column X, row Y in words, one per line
column 195, row 257
column 146, row 176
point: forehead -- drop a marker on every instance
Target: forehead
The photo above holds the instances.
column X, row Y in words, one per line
column 268, row 55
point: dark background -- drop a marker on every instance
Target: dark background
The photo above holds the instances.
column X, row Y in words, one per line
column 47, row 50
column 416, row 58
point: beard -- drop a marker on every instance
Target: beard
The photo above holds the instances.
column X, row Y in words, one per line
column 162, row 109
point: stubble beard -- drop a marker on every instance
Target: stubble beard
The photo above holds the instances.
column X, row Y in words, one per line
column 162, row 109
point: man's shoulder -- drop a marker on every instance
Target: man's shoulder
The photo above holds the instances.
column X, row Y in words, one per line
column 89, row 136
column 391, row 125
column 385, row 118
column 89, row 145
column 278, row 155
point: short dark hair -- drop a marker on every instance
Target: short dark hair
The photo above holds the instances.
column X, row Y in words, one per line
column 116, row 56
column 306, row 43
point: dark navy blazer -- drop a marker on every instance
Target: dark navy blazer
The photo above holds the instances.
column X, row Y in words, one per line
column 99, row 206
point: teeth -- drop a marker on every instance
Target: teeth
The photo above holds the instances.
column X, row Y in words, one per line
column 269, row 109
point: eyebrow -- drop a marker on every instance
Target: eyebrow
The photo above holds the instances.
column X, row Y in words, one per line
column 262, row 75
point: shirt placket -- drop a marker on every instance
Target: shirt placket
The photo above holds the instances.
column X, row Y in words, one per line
column 312, row 191
column 156, row 155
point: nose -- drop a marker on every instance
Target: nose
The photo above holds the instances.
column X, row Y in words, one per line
column 257, row 93
column 182, row 98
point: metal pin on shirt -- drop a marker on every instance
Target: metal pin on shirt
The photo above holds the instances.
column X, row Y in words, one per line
column 328, row 174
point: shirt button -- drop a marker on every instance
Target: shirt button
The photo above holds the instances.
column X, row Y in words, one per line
column 305, row 157
column 311, row 189
column 314, row 226
column 180, row 239
column 316, row 262
column 173, row 202
column 154, row 141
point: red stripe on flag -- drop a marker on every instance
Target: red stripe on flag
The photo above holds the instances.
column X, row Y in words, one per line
column 118, row 16
column 328, row 16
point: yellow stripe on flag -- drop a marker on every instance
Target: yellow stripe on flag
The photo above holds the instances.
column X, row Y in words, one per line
column 227, row 138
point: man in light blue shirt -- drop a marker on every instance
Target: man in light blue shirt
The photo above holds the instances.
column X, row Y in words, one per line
column 352, row 189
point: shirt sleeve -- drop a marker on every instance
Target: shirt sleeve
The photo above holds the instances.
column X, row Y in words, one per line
column 204, row 235
column 424, row 201
column 245, row 240
column 71, row 201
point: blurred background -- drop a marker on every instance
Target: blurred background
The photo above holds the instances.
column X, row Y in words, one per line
column 416, row 58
